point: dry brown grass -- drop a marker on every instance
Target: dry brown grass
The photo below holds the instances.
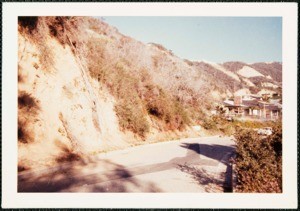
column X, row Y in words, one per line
column 28, row 108
column 22, row 168
column 36, row 30
column 67, row 154
column 27, row 101
column 24, row 133
column 28, row 24
column 66, row 30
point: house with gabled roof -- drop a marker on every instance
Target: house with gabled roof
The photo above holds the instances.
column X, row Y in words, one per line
column 251, row 107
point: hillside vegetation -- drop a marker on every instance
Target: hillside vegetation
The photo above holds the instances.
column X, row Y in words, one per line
column 85, row 88
column 259, row 161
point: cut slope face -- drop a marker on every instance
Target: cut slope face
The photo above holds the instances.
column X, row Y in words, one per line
column 248, row 82
column 273, row 70
column 221, row 68
column 65, row 114
column 249, row 72
column 73, row 117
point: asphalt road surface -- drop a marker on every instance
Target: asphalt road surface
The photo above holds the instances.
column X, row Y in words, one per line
column 187, row 165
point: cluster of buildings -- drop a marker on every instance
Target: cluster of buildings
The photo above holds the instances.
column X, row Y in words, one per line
column 252, row 106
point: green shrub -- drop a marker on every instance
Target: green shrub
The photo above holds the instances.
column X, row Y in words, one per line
column 253, row 124
column 129, row 106
column 131, row 118
column 168, row 110
column 215, row 123
column 209, row 124
column 115, row 74
column 259, row 161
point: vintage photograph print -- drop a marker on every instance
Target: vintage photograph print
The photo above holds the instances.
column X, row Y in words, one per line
column 149, row 104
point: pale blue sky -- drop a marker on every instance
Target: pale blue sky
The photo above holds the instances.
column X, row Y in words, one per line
column 216, row 39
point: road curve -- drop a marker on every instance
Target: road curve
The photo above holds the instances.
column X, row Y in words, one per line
column 187, row 165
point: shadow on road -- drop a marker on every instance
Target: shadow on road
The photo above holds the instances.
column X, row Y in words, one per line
column 216, row 152
column 82, row 176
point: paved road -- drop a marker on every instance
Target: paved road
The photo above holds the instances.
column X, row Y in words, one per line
column 188, row 165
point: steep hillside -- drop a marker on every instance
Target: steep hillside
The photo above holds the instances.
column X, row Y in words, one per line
column 63, row 114
column 85, row 88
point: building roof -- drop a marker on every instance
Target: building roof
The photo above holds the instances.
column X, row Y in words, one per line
column 253, row 103
column 230, row 103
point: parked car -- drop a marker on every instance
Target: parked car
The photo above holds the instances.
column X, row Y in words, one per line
column 265, row 131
